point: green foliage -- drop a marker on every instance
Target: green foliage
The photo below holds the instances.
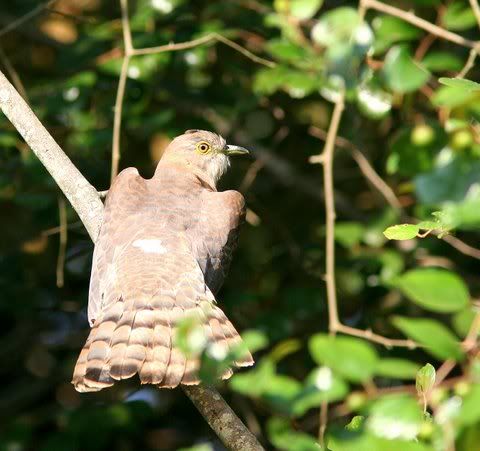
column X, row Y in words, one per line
column 437, row 339
column 425, row 379
column 434, row 289
column 358, row 361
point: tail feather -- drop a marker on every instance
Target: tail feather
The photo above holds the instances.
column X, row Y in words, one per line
column 139, row 339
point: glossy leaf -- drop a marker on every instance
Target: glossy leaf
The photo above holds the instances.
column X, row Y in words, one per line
column 402, row 74
column 434, row 336
column 352, row 358
column 402, row 232
column 397, row 368
column 435, row 289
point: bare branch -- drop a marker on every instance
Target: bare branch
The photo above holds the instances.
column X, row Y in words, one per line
column 469, row 63
column 208, row 38
column 222, row 419
column 420, row 23
column 333, row 320
column 364, row 165
column 26, row 17
column 79, row 192
column 476, row 10
column 117, row 117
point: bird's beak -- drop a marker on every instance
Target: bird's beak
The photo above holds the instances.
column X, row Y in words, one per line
column 235, row 150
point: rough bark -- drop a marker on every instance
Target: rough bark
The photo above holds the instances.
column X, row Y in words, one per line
column 222, row 419
column 86, row 202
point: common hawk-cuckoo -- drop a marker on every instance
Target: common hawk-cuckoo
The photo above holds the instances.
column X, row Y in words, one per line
column 163, row 251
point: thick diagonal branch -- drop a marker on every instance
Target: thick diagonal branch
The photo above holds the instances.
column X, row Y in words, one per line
column 86, row 202
column 79, row 192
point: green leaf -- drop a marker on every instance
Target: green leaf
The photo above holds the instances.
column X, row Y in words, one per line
column 397, row 368
column 304, row 9
column 411, row 153
column 470, row 410
column 254, row 340
column 350, row 357
column 452, row 97
column 283, row 437
column 349, row 234
column 356, row 423
column 403, row 74
column 462, row 83
column 437, row 61
column 459, row 16
column 336, row 26
column 322, row 385
column 434, row 336
column 425, row 379
column 395, row 416
column 368, row 442
column 389, row 30
column 402, row 232
column 435, row 289
column 462, row 321
column 285, row 50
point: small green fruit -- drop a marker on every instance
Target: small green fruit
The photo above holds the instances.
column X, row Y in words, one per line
column 461, row 388
column 422, row 135
column 461, row 140
column 356, row 400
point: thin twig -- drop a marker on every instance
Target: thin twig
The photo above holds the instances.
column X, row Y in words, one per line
column 469, row 63
column 364, row 165
column 376, row 338
column 476, row 10
column 62, row 210
column 251, row 175
column 409, row 17
column 117, row 117
column 208, row 38
column 327, row 157
column 16, row 81
column 323, row 423
column 26, row 17
column 461, row 246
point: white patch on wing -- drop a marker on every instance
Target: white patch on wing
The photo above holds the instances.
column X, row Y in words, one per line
column 150, row 246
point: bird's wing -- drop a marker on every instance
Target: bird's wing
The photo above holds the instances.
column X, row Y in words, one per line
column 215, row 236
column 123, row 198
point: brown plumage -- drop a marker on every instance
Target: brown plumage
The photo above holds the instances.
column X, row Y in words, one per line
column 162, row 254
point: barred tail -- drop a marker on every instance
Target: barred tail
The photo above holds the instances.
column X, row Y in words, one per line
column 137, row 337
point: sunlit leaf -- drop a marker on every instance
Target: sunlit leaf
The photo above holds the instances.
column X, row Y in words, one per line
column 351, row 357
column 401, row 72
column 402, row 232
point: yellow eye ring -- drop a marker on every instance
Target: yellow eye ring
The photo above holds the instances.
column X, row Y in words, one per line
column 203, row 147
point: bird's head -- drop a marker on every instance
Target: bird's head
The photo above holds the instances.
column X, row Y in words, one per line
column 203, row 151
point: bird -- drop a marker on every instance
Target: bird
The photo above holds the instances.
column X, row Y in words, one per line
column 162, row 254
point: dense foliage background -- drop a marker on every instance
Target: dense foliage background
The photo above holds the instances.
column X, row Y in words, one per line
column 421, row 136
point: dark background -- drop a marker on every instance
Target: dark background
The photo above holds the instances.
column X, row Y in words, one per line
column 68, row 59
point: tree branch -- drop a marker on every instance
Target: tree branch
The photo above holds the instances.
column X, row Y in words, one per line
column 221, row 418
column 79, row 192
column 420, row 23
column 86, row 202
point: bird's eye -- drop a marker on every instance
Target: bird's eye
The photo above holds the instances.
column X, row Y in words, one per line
column 203, row 147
